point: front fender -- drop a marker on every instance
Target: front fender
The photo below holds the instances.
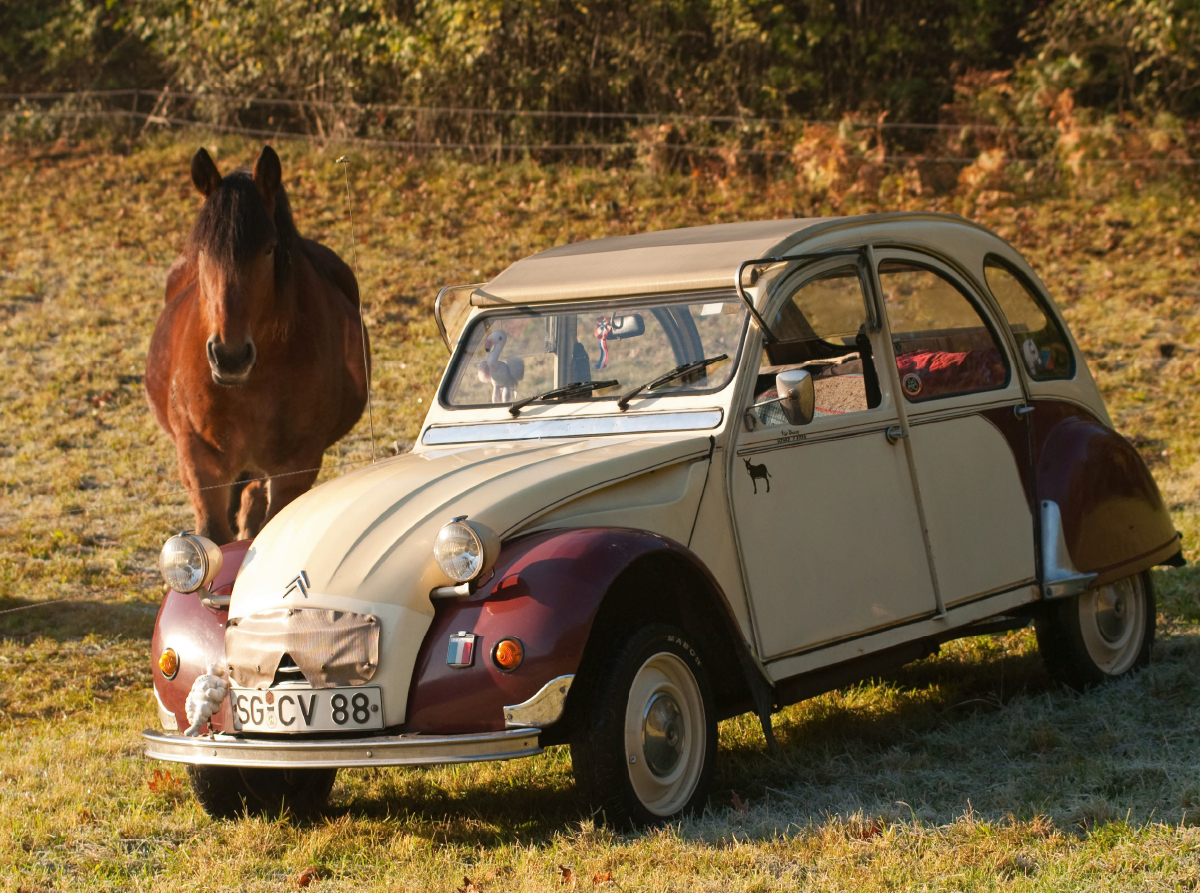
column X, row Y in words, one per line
column 546, row 590
column 197, row 634
column 1114, row 522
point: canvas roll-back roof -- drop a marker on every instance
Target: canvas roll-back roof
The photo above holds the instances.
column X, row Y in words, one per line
column 699, row 257
column 674, row 260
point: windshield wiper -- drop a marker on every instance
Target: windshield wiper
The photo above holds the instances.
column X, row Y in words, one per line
column 574, row 389
column 667, row 377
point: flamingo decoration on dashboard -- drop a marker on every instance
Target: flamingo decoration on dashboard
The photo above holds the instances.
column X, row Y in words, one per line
column 503, row 374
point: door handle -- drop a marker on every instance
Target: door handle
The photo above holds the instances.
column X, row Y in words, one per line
column 894, row 433
column 1022, row 411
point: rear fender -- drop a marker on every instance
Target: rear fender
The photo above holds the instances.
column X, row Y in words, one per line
column 548, row 589
column 197, row 634
column 1113, row 520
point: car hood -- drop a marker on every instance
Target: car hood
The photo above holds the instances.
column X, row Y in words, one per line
column 368, row 535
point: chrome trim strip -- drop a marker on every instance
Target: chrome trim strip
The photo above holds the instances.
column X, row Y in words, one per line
column 1060, row 577
column 575, row 426
column 798, row 437
column 543, row 709
column 389, row 750
column 933, row 625
column 929, row 416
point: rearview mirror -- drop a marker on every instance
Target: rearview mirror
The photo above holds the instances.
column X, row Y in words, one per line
column 629, row 326
column 797, row 397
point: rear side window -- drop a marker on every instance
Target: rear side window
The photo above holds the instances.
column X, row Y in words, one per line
column 1044, row 349
column 943, row 347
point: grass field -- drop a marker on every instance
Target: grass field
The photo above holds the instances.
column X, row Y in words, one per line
column 966, row 771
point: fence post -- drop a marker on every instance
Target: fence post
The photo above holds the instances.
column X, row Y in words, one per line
column 134, row 113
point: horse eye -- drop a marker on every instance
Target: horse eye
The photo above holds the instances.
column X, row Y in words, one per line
column 271, row 248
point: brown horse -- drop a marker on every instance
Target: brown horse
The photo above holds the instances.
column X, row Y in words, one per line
column 257, row 363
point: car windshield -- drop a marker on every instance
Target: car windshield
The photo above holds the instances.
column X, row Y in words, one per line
column 511, row 357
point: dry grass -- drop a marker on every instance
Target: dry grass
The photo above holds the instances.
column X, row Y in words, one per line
column 966, row 771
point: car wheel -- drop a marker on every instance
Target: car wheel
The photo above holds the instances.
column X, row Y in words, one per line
column 227, row 792
column 644, row 743
column 1099, row 635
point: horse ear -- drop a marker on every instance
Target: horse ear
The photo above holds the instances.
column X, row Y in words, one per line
column 204, row 172
column 267, row 175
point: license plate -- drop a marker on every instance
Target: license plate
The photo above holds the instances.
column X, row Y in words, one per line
column 306, row 710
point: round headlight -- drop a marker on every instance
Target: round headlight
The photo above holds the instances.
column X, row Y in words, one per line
column 189, row 562
column 458, row 551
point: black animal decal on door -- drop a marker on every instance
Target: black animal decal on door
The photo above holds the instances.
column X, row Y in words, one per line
column 758, row 473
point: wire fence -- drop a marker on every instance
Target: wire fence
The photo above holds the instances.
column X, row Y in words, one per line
column 23, row 512
column 346, row 126
column 126, row 105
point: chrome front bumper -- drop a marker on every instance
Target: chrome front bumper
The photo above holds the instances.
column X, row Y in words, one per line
column 392, row 750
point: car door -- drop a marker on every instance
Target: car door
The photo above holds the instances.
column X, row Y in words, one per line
column 826, row 519
column 965, row 413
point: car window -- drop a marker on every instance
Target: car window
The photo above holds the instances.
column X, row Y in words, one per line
column 1043, row 345
column 943, row 346
column 505, row 358
column 822, row 327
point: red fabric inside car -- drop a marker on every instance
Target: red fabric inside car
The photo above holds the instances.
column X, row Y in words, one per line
column 935, row 373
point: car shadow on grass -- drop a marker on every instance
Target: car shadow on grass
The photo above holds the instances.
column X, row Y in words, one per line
column 981, row 730
column 510, row 803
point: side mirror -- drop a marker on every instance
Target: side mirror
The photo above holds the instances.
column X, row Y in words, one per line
column 797, row 396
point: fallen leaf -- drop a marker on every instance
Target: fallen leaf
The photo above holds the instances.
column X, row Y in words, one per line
column 601, row 877
column 742, row 806
column 469, row 886
column 310, row 874
column 568, row 876
column 164, row 782
column 869, row 831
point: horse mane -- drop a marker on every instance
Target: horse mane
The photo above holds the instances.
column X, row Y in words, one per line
column 233, row 225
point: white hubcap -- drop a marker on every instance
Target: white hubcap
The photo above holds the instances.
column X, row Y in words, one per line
column 664, row 734
column 1112, row 620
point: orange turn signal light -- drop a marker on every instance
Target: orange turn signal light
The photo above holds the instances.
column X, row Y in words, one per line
column 508, row 654
column 169, row 663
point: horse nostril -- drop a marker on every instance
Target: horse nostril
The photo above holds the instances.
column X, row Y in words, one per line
column 230, row 362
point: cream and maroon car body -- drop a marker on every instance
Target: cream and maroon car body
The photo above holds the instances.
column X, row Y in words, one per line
column 802, row 557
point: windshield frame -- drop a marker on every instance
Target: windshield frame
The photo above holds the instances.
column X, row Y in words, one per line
column 589, row 307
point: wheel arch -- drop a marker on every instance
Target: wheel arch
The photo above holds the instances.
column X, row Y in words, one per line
column 565, row 593
column 1113, row 519
column 197, row 634
column 672, row 586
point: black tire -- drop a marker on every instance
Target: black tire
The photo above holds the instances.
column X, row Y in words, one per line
column 227, row 792
column 654, row 685
column 1101, row 635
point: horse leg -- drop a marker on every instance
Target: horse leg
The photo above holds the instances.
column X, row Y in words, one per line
column 252, row 509
column 235, row 499
column 284, row 486
column 209, row 485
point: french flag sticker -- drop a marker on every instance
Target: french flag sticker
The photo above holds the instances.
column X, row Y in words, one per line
column 461, row 651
